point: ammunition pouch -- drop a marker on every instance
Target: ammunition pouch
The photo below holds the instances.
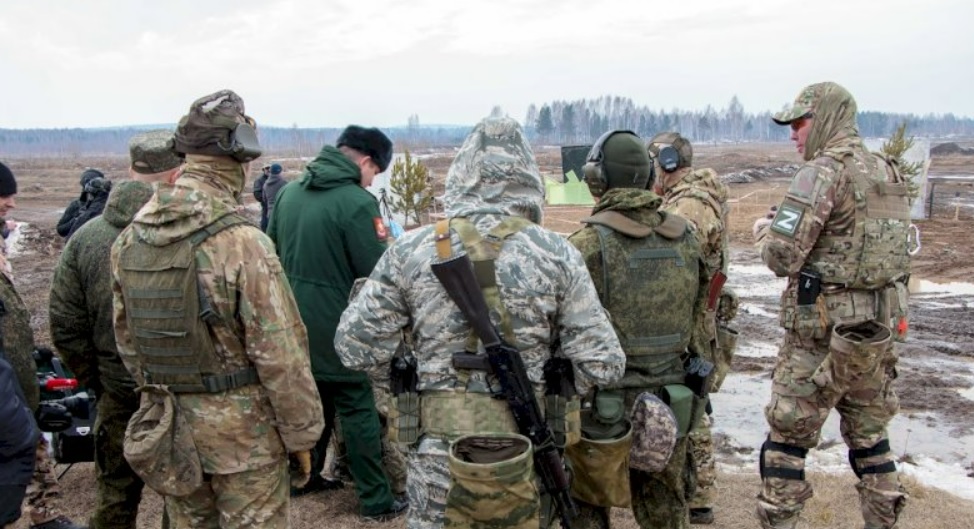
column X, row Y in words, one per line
column 492, row 482
column 894, row 310
column 402, row 420
column 564, row 418
column 808, row 321
column 600, row 466
column 451, row 414
column 686, row 406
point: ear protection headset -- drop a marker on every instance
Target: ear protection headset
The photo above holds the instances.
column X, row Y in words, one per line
column 669, row 158
column 596, row 179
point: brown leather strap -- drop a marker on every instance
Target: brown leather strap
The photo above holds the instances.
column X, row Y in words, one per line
column 443, row 249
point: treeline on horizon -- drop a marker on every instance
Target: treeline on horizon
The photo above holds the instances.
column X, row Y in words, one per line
column 575, row 122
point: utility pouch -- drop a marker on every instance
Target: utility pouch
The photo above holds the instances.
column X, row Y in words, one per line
column 857, row 351
column 403, row 418
column 492, row 482
column 680, row 399
column 897, row 299
column 726, row 345
column 159, row 445
column 607, row 417
column 601, row 469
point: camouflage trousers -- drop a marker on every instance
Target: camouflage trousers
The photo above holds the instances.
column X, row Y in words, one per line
column 254, row 498
column 659, row 500
column 119, row 488
column 43, row 492
column 701, row 448
column 802, row 397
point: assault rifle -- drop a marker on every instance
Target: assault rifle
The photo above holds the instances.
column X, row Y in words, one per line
column 504, row 362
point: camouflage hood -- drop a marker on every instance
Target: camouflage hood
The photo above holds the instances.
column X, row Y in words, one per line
column 637, row 204
column 834, row 130
column 699, row 180
column 206, row 191
column 125, row 200
column 495, row 172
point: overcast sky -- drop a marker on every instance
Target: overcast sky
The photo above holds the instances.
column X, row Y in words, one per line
column 327, row 63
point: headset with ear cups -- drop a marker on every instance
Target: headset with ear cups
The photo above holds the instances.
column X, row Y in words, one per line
column 669, row 158
column 597, row 182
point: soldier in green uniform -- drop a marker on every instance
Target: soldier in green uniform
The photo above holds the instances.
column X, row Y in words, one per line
column 650, row 276
column 81, row 326
column 840, row 237
column 18, row 340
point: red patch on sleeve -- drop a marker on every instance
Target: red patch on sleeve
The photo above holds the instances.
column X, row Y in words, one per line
column 381, row 232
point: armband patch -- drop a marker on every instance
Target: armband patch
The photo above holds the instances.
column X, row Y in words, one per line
column 787, row 220
column 381, row 232
column 805, row 185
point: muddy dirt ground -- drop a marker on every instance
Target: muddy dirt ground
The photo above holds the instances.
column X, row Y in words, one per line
column 936, row 373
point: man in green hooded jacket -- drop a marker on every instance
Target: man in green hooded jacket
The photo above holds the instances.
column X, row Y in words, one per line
column 328, row 232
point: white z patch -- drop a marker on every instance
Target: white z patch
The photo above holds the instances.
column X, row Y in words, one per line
column 787, row 220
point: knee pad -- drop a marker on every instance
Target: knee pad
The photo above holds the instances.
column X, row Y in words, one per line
column 773, row 471
column 880, row 448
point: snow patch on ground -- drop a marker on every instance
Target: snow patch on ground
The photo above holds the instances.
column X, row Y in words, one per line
column 15, row 238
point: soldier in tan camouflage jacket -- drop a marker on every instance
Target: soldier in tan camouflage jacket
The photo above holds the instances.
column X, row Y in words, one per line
column 840, row 237
column 245, row 348
column 699, row 196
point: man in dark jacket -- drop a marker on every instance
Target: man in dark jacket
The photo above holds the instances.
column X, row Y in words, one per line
column 18, row 440
column 74, row 208
column 259, row 195
column 97, row 190
column 274, row 184
column 328, row 232
column 81, row 326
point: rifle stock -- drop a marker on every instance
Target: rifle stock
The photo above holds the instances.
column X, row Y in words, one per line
column 505, row 363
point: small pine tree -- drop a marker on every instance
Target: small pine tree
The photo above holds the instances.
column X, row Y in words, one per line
column 411, row 187
column 895, row 148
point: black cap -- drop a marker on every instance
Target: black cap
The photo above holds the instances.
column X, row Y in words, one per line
column 370, row 142
column 8, row 184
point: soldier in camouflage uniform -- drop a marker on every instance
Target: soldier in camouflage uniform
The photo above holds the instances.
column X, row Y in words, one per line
column 700, row 197
column 18, row 340
column 229, row 343
column 81, row 326
column 840, row 237
column 650, row 276
column 543, row 285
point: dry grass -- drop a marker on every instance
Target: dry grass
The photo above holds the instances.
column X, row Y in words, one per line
column 835, row 505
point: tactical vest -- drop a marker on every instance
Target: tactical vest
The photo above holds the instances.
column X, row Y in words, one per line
column 650, row 283
column 470, row 409
column 876, row 253
column 169, row 315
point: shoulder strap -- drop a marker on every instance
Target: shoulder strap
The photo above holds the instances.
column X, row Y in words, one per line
column 672, row 227
column 618, row 222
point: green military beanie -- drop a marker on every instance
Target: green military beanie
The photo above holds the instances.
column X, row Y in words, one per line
column 625, row 162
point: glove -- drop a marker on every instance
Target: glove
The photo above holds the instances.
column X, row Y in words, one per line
column 759, row 226
column 300, row 467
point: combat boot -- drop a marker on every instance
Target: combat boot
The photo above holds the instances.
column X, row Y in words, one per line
column 702, row 516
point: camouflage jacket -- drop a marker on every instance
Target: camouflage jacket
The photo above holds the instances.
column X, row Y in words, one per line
column 701, row 198
column 250, row 426
column 643, row 207
column 81, row 296
column 18, row 339
column 542, row 280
